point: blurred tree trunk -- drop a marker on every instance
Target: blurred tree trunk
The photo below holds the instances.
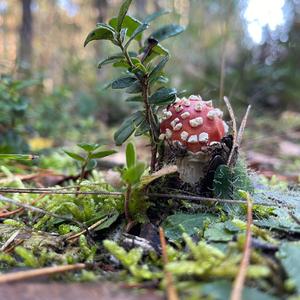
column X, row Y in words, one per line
column 101, row 7
column 141, row 8
column 157, row 5
column 26, row 37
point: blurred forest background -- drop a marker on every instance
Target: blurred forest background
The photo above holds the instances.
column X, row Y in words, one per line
column 51, row 93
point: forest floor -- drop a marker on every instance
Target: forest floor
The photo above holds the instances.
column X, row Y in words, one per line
column 205, row 241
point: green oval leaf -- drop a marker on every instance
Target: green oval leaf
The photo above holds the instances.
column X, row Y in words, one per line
column 134, row 88
column 130, row 23
column 74, row 156
column 123, row 63
column 137, row 32
column 163, row 96
column 156, row 15
column 122, row 13
column 123, row 82
column 92, row 164
column 175, row 225
column 158, row 68
column 110, row 60
column 133, row 174
column 130, row 155
column 142, row 129
column 167, row 32
column 102, row 32
column 138, row 98
column 102, row 154
column 127, row 127
column 88, row 147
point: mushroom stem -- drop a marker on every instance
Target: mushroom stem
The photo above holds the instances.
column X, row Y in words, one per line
column 191, row 167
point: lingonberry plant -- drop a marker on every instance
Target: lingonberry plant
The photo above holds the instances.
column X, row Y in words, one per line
column 142, row 59
column 88, row 161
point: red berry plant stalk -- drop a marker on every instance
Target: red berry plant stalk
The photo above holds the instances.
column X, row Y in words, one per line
column 190, row 129
column 142, row 59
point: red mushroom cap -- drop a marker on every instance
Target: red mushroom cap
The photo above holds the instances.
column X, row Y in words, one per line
column 193, row 123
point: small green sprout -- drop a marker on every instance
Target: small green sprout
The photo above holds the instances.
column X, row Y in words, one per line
column 88, row 161
column 131, row 175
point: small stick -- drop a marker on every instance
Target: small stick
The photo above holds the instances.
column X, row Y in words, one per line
column 126, row 207
column 10, row 213
column 21, row 209
column 234, row 129
column 197, row 199
column 117, row 194
column 242, row 127
column 23, row 275
column 74, row 236
column 236, row 293
column 55, row 192
column 10, row 240
column 171, row 290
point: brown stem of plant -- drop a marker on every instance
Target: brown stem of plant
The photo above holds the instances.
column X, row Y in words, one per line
column 238, row 284
column 149, row 113
column 81, row 177
column 161, row 155
column 127, row 202
column 23, row 275
column 171, row 290
column 151, row 121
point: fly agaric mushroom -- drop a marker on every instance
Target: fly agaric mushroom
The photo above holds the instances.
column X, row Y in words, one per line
column 195, row 125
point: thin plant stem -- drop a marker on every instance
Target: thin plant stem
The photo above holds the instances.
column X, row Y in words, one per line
column 150, row 121
column 149, row 113
column 171, row 290
column 239, row 282
column 191, row 198
column 127, row 202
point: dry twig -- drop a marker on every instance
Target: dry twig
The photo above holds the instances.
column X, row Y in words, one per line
column 58, row 191
column 10, row 240
column 238, row 285
column 234, row 129
column 171, row 290
column 95, row 225
column 23, row 275
column 242, row 127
